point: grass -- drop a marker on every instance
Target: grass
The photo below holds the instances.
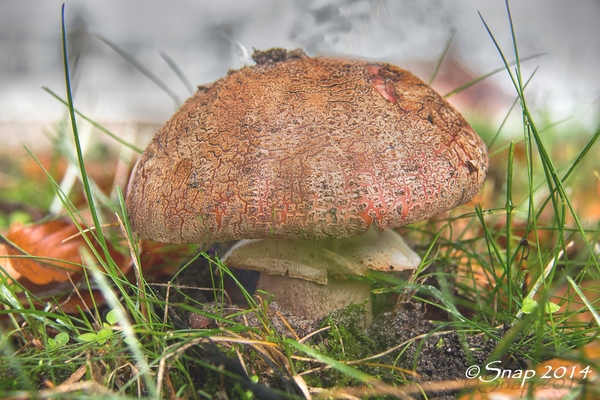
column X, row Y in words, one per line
column 512, row 278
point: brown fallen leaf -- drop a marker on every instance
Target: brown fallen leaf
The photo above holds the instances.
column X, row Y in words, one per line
column 6, row 264
column 55, row 250
column 52, row 258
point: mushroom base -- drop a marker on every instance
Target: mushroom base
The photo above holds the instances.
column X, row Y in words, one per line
column 313, row 300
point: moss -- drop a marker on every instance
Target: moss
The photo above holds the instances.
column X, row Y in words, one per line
column 345, row 340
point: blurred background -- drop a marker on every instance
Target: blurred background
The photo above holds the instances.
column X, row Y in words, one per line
column 205, row 38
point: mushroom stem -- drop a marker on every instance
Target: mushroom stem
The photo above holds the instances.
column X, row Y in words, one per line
column 310, row 276
column 313, row 300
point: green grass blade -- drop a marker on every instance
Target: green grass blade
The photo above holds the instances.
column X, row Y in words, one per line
column 94, row 124
column 485, row 76
column 145, row 71
column 585, row 300
column 504, row 120
column 504, row 59
column 340, row 366
column 582, row 154
column 509, row 207
column 441, row 57
column 515, row 48
column 492, row 245
column 126, row 327
column 86, row 184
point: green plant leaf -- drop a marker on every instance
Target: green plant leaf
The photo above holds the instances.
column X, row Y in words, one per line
column 529, row 305
column 62, row 338
column 87, row 337
column 58, row 341
column 103, row 334
column 551, row 308
column 112, row 317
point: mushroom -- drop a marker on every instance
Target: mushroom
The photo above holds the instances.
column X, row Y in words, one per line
column 311, row 161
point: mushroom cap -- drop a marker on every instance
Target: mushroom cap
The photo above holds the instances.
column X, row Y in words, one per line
column 304, row 148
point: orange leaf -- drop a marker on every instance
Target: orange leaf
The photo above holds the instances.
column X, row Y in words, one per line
column 45, row 240
column 55, row 246
column 6, row 264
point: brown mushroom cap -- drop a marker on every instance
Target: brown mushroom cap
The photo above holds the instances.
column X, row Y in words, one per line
column 304, row 148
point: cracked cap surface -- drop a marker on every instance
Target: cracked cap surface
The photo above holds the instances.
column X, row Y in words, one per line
column 304, row 148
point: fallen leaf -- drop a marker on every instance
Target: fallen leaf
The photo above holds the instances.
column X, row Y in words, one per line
column 52, row 259
column 50, row 251
column 6, row 264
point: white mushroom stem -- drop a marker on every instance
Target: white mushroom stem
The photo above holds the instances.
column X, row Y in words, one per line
column 298, row 273
column 313, row 300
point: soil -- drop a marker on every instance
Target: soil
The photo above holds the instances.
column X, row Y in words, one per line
column 437, row 357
